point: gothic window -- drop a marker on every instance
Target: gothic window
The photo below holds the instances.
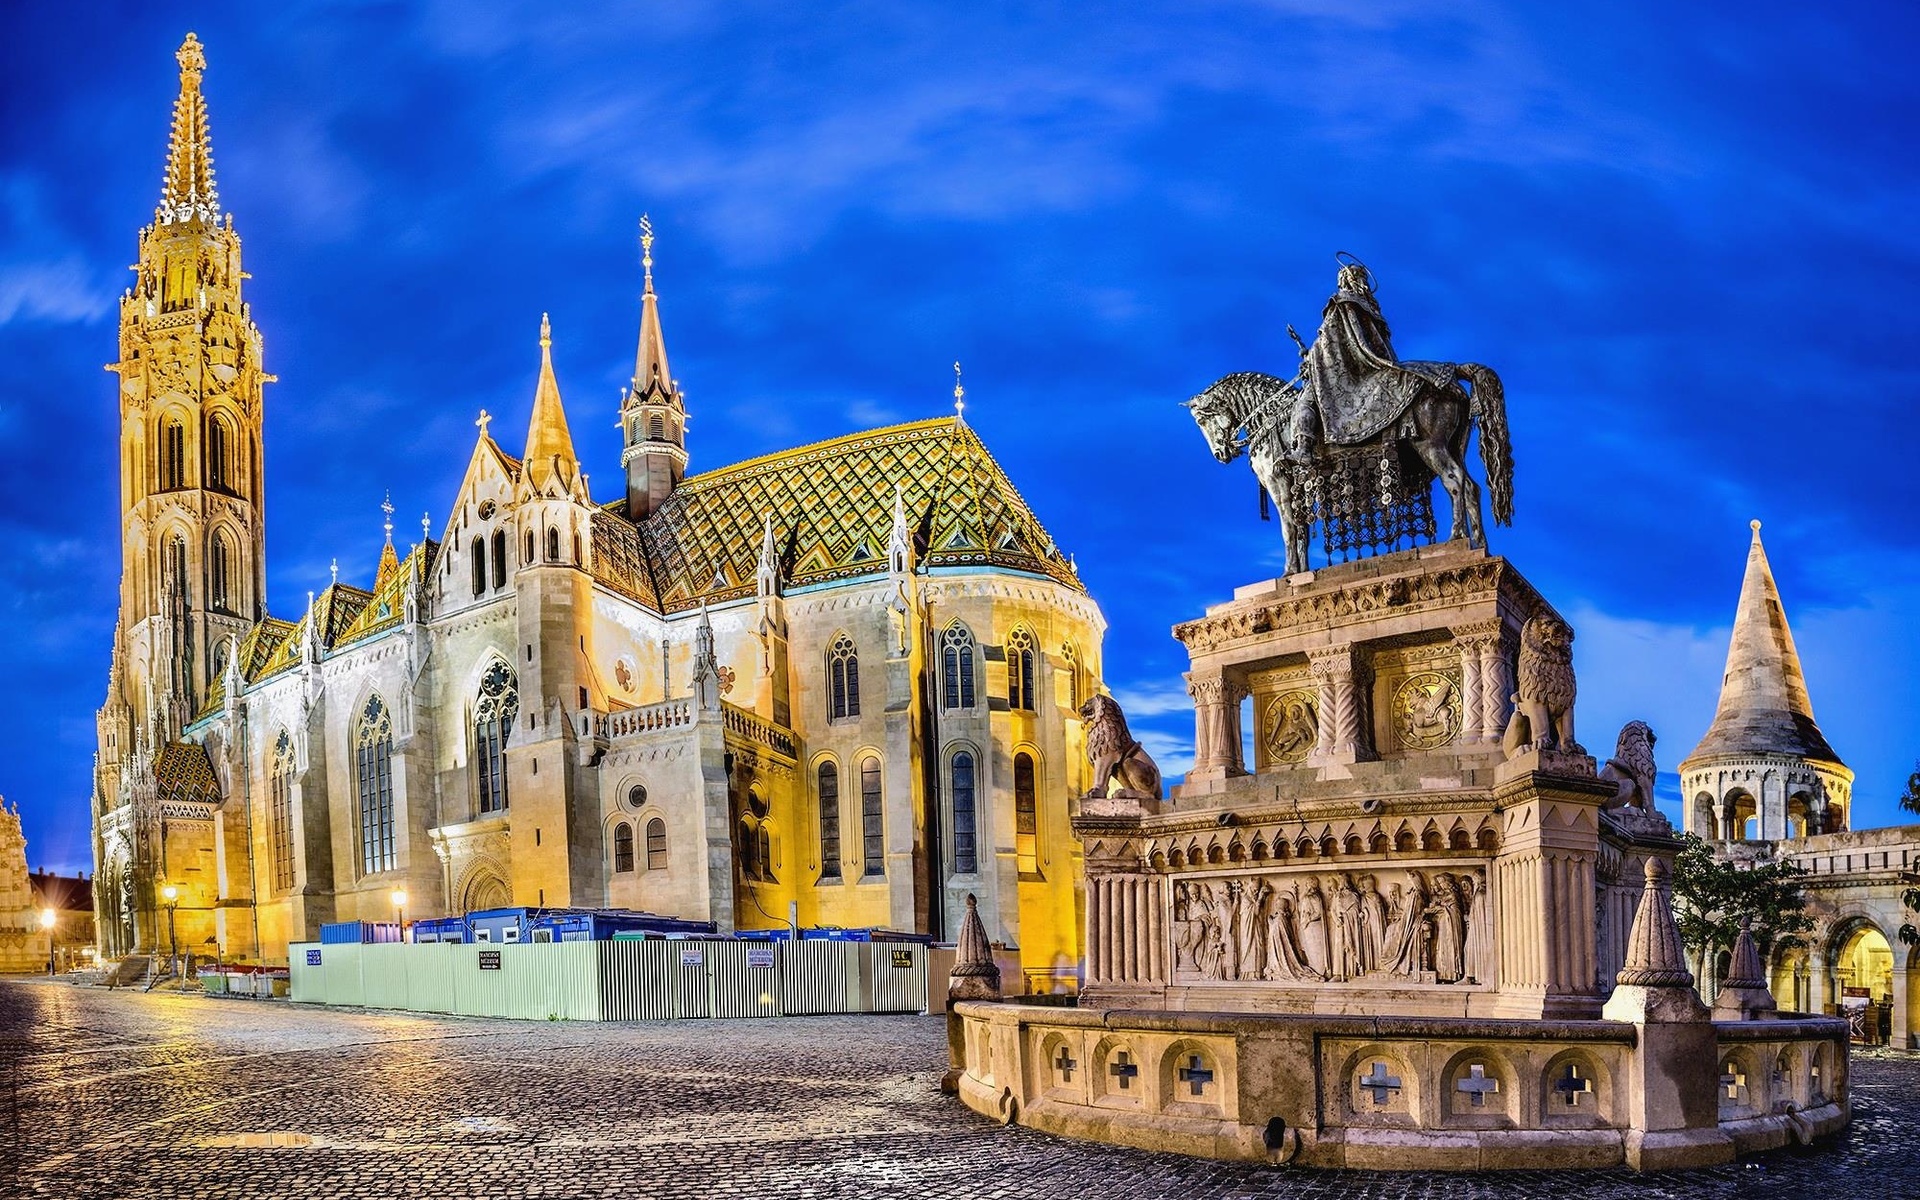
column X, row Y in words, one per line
column 1026, row 825
column 1020, row 670
column 656, row 845
column 553, row 544
column 1072, row 659
column 173, row 457
column 576, row 548
column 219, row 455
column 280, row 814
column 493, row 714
column 749, row 851
column 656, row 428
column 622, row 848
column 177, row 570
column 873, row 842
column 956, row 667
column 843, row 679
column 220, row 573
column 764, row 850
column 479, row 565
column 829, row 780
column 500, row 558
column 373, row 780
column 529, row 554
column 965, row 845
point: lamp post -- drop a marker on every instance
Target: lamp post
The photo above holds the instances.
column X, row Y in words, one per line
column 400, row 911
column 48, row 918
column 172, row 896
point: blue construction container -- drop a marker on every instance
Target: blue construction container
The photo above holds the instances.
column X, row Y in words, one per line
column 575, row 925
column 831, row 933
column 356, row 933
column 440, row 929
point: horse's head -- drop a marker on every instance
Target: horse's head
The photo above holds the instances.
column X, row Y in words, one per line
column 1215, row 418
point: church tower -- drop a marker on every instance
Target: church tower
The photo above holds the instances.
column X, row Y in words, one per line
column 1764, row 770
column 653, row 417
column 191, row 487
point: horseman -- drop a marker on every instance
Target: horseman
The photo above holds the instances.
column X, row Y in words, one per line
column 1356, row 385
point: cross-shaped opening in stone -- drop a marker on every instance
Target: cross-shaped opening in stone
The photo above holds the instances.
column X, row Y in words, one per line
column 1064, row 1063
column 1733, row 1079
column 1380, row 1083
column 1195, row 1073
column 1123, row 1068
column 1572, row 1085
column 1476, row 1084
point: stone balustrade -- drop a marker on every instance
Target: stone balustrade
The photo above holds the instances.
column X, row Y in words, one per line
column 648, row 718
column 739, row 721
column 1382, row 1093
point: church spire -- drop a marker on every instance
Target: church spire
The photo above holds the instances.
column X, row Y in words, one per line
column 1764, row 706
column 188, row 191
column 653, row 414
column 549, row 455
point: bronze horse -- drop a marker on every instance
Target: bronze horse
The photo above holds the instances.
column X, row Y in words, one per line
column 1251, row 413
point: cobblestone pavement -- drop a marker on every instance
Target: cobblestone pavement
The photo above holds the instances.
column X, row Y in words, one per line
column 129, row 1095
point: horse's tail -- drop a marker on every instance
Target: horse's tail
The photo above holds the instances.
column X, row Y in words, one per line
column 1490, row 408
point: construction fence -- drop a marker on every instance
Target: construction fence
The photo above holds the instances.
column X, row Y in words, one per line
column 648, row 980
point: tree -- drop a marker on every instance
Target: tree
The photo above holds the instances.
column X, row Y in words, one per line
column 1910, row 894
column 1711, row 894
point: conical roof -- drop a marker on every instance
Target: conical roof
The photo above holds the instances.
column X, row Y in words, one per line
column 1764, row 707
column 549, row 444
column 652, row 381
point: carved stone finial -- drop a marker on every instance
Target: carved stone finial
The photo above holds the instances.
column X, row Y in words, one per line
column 1656, row 957
column 1744, row 995
column 959, row 396
column 191, row 57
column 646, row 248
column 975, row 975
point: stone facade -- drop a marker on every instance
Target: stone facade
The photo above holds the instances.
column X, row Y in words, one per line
column 839, row 684
column 23, row 939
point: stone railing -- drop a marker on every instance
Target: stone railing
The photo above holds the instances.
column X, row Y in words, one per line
column 648, row 718
column 1399, row 1093
column 744, row 724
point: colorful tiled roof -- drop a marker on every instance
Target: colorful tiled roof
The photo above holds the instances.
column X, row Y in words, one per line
column 832, row 506
column 185, row 773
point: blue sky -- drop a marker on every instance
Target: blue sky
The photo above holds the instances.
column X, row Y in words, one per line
column 1685, row 238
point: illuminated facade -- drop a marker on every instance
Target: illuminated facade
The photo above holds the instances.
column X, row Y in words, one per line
column 840, row 683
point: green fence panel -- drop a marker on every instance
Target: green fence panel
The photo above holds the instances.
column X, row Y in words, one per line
column 383, row 974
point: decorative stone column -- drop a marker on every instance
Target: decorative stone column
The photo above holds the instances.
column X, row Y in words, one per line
column 1543, row 887
column 1127, row 937
column 1216, row 727
column 1342, row 713
column 1482, row 680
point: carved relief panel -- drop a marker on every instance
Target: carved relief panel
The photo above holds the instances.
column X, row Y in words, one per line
column 1418, row 701
column 1286, row 715
column 1387, row 926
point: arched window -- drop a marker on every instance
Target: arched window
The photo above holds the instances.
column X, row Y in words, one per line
column 219, row 452
column 764, row 851
column 280, row 813
column 479, row 565
column 493, row 713
column 177, row 570
column 529, row 555
column 956, row 667
column 220, row 573
column 1026, row 824
column 873, row 841
column 843, row 679
column 553, row 544
column 373, row 780
column 965, row 848
column 656, row 845
column 656, row 428
column 1020, row 670
column 749, row 851
column 500, row 558
column 622, row 848
column 1071, row 657
column 829, row 779
column 576, row 549
column 173, row 456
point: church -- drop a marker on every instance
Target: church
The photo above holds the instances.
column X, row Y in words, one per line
column 838, row 685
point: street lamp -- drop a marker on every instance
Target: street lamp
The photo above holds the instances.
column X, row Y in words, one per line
column 400, row 911
column 172, row 896
column 48, row 918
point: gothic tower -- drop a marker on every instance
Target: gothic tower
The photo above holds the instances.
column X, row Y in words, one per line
column 653, row 417
column 191, row 495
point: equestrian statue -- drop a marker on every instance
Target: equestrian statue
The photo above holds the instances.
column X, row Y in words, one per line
column 1354, row 441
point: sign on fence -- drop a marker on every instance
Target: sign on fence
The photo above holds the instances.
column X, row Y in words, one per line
column 759, row 956
column 313, row 958
column 691, row 956
column 903, row 960
column 489, row 960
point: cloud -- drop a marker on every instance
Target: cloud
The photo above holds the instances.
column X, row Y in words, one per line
column 60, row 291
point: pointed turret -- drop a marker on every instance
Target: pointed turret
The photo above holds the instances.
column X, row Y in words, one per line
column 653, row 414
column 187, row 193
column 1765, row 717
column 549, row 460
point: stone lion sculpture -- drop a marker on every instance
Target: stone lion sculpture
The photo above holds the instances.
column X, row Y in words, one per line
column 1543, row 706
column 1116, row 753
column 1631, row 767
